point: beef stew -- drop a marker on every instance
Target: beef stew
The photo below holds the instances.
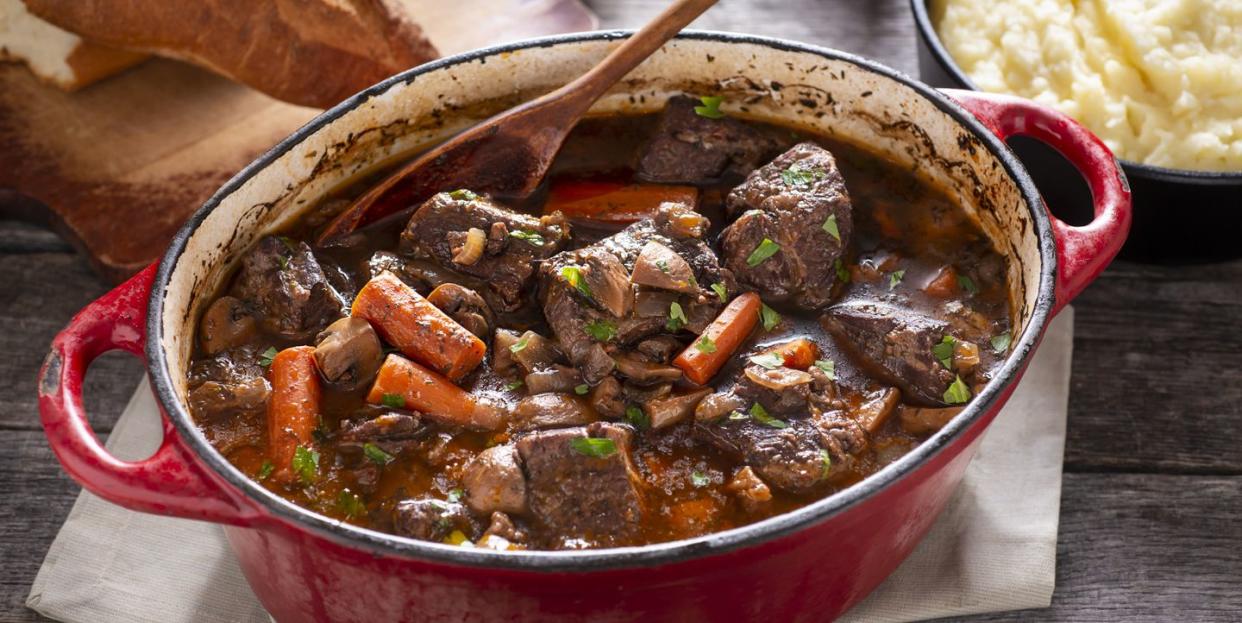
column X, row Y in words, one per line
column 701, row 322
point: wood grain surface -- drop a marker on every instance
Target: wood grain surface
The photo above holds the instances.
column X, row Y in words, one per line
column 1153, row 486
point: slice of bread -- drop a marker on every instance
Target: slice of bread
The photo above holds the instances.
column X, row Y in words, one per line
column 56, row 56
column 309, row 52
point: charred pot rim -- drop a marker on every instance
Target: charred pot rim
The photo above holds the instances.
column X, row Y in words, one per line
column 382, row 544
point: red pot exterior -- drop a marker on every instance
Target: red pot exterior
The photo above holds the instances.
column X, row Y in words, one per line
column 810, row 575
column 811, row 569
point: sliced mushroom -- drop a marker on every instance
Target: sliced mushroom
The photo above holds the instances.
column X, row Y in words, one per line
column 502, row 350
column 494, row 482
column 348, row 353
column 670, row 410
column 777, row 379
column 718, row 405
column 660, row 267
column 751, row 491
column 216, row 400
column 607, row 280
column 226, row 324
column 558, row 378
column 533, row 352
column 871, row 415
column 920, row 421
column 642, row 372
column 551, row 411
column 606, row 398
column 465, row 306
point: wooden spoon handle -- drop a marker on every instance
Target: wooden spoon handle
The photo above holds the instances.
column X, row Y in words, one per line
column 590, row 86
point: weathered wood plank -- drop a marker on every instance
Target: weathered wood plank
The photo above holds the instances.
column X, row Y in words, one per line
column 1157, row 365
column 42, row 291
column 880, row 29
column 1141, row 547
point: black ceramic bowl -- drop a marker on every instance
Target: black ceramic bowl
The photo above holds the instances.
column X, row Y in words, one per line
column 1179, row 215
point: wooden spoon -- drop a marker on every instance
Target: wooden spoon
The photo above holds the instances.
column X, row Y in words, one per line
column 508, row 154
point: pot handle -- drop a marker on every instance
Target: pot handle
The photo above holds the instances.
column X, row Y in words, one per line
column 1082, row 252
column 166, row 483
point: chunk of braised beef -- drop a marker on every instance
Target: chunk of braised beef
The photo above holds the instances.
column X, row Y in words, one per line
column 391, row 432
column 494, row 482
column 230, row 384
column 794, row 221
column 592, row 329
column 432, row 520
column 284, row 283
column 690, row 148
column 750, row 490
column 895, row 344
column 789, row 458
column 506, row 264
column 502, row 526
column 580, row 489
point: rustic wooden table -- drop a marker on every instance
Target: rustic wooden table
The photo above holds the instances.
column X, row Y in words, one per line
column 1150, row 529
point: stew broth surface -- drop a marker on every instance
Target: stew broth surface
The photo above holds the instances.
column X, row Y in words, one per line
column 906, row 235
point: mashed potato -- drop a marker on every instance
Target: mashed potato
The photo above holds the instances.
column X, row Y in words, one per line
column 1159, row 80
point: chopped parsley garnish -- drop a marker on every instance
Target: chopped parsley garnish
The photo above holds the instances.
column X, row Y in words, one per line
column 283, row 261
column 662, row 265
column 769, row 317
column 699, row 479
column 350, row 504
column 761, row 415
column 573, row 275
column 455, row 495
column 944, row 351
column 957, row 393
column 376, row 454
column 705, row 345
column 289, row 243
column 967, row 284
column 582, row 389
column 265, row 470
column 830, row 226
column 396, row 401
column 517, row 346
column 828, row 366
column 738, row 415
column 825, row 460
column 676, row 317
column 636, row 416
column 895, row 278
column 268, row 355
column 601, row 330
column 462, row 194
column 598, row 447
column 710, row 107
column 719, row 289
column 771, row 361
column 765, row 250
column 529, row 237
column 797, row 176
column 843, row 273
column 1000, row 343
column 305, row 464
column 513, row 385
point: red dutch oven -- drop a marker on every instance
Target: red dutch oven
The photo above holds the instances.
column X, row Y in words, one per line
column 810, row 564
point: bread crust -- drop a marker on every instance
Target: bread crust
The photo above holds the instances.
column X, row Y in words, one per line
column 308, row 52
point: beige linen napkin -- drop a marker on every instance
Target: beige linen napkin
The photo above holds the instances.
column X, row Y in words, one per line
column 993, row 549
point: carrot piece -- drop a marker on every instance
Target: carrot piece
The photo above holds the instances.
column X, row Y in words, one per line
column 704, row 357
column 293, row 409
column 404, row 384
column 419, row 329
column 799, row 353
column 611, row 202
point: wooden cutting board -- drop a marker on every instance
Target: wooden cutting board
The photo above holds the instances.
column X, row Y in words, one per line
column 117, row 167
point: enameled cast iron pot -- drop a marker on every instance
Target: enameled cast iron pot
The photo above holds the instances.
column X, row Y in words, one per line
column 810, row 564
column 1180, row 215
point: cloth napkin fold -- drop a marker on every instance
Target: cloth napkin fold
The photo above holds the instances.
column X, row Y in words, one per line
column 993, row 548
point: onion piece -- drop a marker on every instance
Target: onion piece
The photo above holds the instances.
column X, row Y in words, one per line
column 777, row 379
column 472, row 249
